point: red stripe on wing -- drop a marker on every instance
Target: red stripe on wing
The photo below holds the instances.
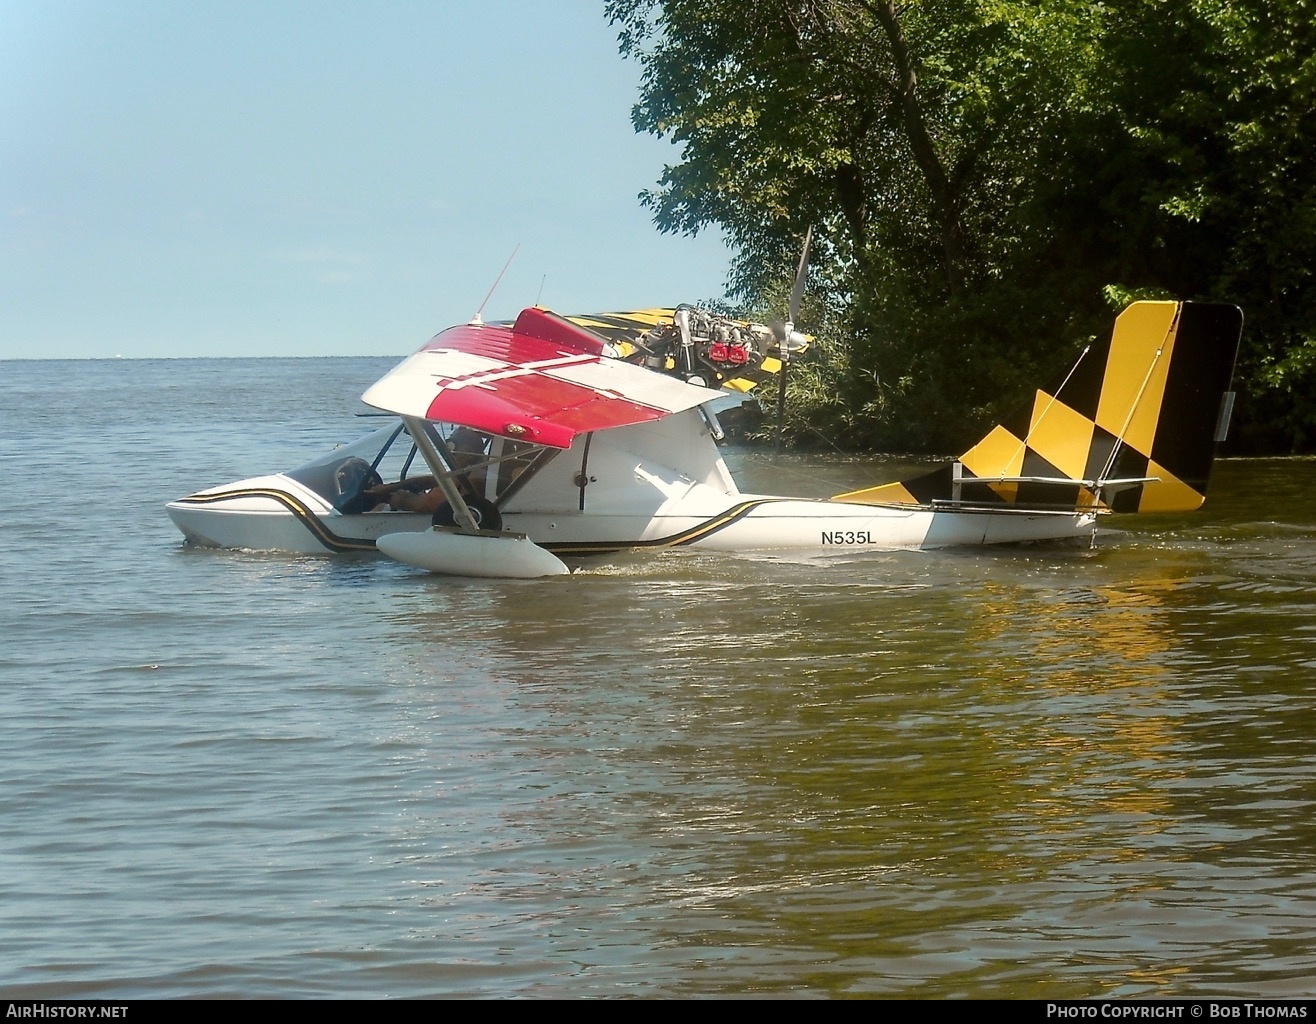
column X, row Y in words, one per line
column 536, row 408
column 543, row 380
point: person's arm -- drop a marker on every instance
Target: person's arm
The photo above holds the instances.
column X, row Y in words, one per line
column 410, row 501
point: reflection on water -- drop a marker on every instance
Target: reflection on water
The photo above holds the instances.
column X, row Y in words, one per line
column 1026, row 772
column 909, row 779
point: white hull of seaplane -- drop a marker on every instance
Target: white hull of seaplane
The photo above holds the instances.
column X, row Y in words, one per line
column 266, row 523
column 760, row 523
column 579, row 454
column 765, row 523
column 276, row 513
column 752, row 524
column 632, row 502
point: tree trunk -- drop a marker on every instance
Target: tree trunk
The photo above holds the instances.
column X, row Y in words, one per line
column 925, row 151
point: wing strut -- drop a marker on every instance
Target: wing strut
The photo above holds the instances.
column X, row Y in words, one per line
column 429, row 450
column 467, row 550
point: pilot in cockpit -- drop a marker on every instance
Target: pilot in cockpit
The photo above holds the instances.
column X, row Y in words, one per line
column 468, row 448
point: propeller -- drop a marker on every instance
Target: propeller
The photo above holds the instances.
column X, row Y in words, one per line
column 787, row 339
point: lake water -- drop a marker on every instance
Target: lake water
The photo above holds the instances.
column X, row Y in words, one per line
column 1043, row 773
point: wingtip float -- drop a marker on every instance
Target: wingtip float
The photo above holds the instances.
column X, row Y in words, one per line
column 529, row 441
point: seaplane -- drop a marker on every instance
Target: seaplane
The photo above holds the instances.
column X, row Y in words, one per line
column 514, row 449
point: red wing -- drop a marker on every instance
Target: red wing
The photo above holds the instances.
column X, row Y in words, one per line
column 543, row 380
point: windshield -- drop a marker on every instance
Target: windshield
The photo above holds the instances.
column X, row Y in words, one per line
column 340, row 475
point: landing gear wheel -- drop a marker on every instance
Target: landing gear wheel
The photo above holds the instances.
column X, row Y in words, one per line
column 484, row 512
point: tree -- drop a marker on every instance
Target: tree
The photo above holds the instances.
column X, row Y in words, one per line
column 1231, row 148
column 984, row 174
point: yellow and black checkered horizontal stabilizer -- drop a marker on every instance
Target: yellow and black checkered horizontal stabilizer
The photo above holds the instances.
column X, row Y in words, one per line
column 1132, row 427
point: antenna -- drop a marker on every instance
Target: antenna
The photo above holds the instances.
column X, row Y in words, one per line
column 477, row 319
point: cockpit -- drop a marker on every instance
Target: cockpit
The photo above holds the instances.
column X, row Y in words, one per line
column 359, row 477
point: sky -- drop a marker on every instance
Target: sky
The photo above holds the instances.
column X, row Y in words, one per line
column 285, row 178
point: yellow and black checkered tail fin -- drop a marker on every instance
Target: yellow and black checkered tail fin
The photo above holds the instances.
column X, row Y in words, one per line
column 1132, row 427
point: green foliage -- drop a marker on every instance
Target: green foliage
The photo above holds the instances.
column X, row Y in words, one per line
column 985, row 178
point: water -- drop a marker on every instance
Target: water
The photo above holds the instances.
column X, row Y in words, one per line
column 1013, row 773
